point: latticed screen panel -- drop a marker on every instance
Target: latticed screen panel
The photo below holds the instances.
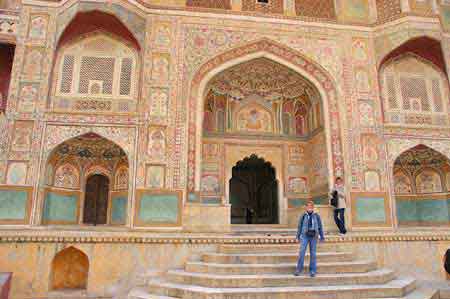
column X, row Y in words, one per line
column 125, row 76
column 221, row 4
column 67, row 74
column 272, row 6
column 88, row 77
column 98, row 69
column 413, row 92
column 388, row 10
column 323, row 9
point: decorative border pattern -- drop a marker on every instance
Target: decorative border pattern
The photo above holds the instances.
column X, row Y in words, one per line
column 43, row 237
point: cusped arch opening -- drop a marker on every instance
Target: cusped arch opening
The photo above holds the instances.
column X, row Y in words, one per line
column 254, row 192
column 422, row 187
column 72, row 196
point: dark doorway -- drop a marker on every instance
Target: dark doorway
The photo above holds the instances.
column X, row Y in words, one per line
column 254, row 192
column 96, row 200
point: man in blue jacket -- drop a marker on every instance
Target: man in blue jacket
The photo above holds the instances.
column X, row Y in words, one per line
column 309, row 230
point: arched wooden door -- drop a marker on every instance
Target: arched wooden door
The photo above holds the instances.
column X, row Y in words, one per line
column 96, row 200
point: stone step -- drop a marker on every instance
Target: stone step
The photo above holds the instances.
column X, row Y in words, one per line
column 277, row 280
column 272, row 258
column 393, row 289
column 268, row 248
column 142, row 293
column 419, row 294
column 281, row 268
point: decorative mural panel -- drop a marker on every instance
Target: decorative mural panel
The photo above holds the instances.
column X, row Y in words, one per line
column 32, row 66
column 38, row 27
column 17, row 173
column 15, row 204
column 158, row 208
column 355, row 10
column 61, row 207
column 119, row 205
column 28, row 96
column 159, row 103
column 156, row 176
column 160, row 69
column 67, row 176
column 23, row 131
column 162, row 34
column 156, row 147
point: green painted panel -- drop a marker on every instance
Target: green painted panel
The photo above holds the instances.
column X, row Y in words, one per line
column 159, row 208
column 212, row 200
column 370, row 209
column 423, row 210
column 60, row 207
column 300, row 202
column 13, row 204
column 119, row 209
column 193, row 197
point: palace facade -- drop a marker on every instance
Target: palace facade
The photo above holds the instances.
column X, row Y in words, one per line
column 126, row 123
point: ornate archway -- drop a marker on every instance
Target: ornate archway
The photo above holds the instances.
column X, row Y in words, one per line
column 280, row 54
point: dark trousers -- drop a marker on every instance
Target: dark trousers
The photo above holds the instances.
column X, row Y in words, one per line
column 340, row 220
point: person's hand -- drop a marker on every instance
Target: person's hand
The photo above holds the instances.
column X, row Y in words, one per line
column 321, row 240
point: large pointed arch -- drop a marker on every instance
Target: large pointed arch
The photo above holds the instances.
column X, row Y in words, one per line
column 286, row 56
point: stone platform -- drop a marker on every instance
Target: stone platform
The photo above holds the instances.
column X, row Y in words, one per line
column 247, row 263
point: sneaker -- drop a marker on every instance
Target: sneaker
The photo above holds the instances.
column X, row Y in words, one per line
column 312, row 274
column 297, row 273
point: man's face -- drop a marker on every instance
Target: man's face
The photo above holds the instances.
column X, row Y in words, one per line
column 338, row 182
column 309, row 208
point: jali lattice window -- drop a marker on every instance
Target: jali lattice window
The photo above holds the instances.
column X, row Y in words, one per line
column 414, row 92
column 96, row 73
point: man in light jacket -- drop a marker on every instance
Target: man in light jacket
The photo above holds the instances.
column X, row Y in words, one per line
column 339, row 210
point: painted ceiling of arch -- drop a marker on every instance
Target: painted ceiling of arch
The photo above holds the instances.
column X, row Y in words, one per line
column 419, row 157
column 262, row 77
column 90, row 147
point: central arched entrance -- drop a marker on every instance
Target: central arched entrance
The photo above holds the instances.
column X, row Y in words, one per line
column 254, row 192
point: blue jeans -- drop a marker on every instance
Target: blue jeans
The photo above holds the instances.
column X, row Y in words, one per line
column 304, row 241
column 339, row 218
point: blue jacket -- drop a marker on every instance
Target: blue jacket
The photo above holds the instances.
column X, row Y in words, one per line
column 303, row 225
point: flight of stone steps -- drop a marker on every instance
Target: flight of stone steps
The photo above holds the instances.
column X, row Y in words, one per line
column 266, row 272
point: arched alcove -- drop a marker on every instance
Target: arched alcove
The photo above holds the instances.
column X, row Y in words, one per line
column 420, row 188
column 69, row 270
column 86, row 182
